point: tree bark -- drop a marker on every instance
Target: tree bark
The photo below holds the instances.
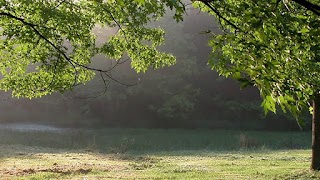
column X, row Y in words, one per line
column 315, row 161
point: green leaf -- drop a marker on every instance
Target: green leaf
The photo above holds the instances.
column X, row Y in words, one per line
column 269, row 104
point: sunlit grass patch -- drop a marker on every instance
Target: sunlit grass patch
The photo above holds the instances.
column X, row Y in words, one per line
column 46, row 163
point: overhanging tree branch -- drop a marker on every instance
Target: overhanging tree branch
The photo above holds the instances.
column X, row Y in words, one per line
column 33, row 27
column 304, row 3
column 66, row 57
column 310, row 6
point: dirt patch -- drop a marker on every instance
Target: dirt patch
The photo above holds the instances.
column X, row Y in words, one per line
column 60, row 170
column 66, row 171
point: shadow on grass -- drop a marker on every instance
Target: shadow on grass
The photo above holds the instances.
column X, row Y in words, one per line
column 121, row 141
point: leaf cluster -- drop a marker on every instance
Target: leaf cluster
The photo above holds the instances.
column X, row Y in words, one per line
column 273, row 45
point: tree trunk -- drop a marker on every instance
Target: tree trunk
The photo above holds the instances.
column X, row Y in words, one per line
column 315, row 162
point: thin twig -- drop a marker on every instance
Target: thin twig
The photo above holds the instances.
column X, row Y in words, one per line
column 219, row 15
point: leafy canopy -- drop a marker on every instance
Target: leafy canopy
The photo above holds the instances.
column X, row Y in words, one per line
column 273, row 45
column 48, row 45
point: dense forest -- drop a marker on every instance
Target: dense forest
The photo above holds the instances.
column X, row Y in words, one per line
column 186, row 95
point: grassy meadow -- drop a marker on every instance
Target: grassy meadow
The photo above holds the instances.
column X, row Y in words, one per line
column 155, row 154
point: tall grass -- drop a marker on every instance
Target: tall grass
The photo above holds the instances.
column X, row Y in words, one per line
column 124, row 140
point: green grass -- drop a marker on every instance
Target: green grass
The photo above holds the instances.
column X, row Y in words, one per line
column 155, row 154
column 21, row 162
column 123, row 140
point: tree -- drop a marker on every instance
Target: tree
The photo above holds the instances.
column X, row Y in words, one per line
column 178, row 96
column 48, row 46
column 275, row 46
